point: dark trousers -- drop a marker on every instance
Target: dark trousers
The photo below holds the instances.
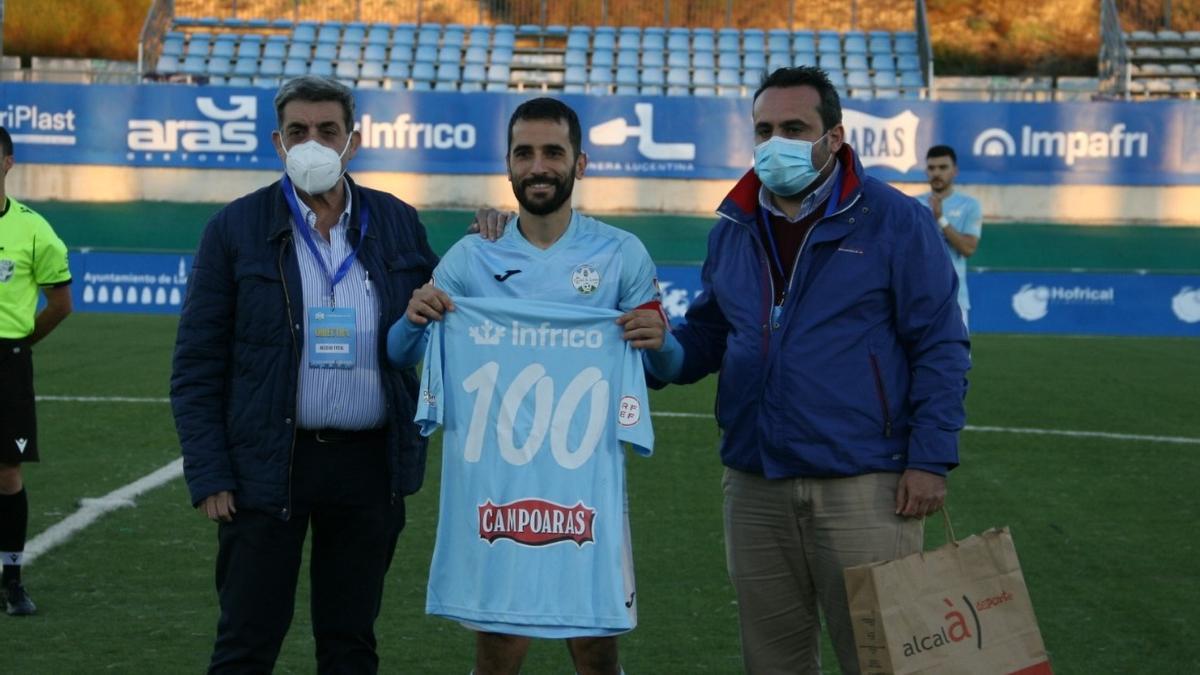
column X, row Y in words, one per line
column 342, row 490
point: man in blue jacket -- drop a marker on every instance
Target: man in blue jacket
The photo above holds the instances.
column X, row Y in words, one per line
column 829, row 309
column 288, row 411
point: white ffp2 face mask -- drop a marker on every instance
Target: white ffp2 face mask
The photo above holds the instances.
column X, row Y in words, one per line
column 314, row 168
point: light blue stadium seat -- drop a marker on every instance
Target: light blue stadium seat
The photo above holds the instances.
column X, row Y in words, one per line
column 167, row 63
column 325, row 51
column 423, row 72
column 305, row 32
column 804, row 42
column 480, row 36
column 498, row 73
column 779, row 44
column 627, row 75
column 496, row 86
column 476, row 55
column 604, row 41
column 503, row 40
column 239, row 81
column 753, row 42
column 366, row 83
column 575, row 57
column 728, row 43
column 346, row 70
column 295, row 67
column 445, row 85
column 679, row 42
column 502, row 54
column 173, row 46
column 420, row 85
column 404, row 37
column 729, row 60
column 906, row 44
column 829, row 62
column 577, row 41
column 855, row 44
column 880, row 44
column 777, row 61
column 374, row 53
column 858, row 79
column 379, row 35
column 449, row 55
column 474, row 80
column 574, row 88
column 397, row 71
column 197, row 46
column 882, row 62
column 887, row 93
column 269, row 67
column 580, row 29
column 575, row 75
column 629, row 41
column 885, row 78
column 400, row 53
column 448, row 72
column 652, row 77
column 599, row 78
column 862, row 94
column 728, row 78
column 829, row 45
column 264, row 82
column 601, row 58
column 627, row 58
column 247, row 67
column 908, row 62
column 329, row 33
column 704, row 91
column 299, row 50
column 349, row 52
column 354, row 35
column 704, row 77
column 703, row 43
column 754, row 61
column 655, row 41
column 653, row 59
column 529, row 30
column 679, row 77
column 679, row 59
column 804, row 59
column 856, row 62
column 837, row 78
column 911, row 78
column 703, row 60
column 453, row 38
column 193, row 65
column 626, row 90
column 321, row 67
column 425, row 54
column 751, row 78
column 249, row 48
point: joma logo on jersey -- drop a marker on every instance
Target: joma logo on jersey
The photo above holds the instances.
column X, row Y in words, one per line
column 222, row 130
column 536, row 522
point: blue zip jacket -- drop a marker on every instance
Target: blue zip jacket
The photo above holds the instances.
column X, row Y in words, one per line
column 237, row 353
column 864, row 370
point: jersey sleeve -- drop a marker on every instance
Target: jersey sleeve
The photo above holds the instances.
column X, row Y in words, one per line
column 639, row 278
column 50, row 266
column 430, row 402
column 633, row 412
column 973, row 219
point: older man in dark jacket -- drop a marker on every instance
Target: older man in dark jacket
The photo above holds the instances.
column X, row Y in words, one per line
column 288, row 411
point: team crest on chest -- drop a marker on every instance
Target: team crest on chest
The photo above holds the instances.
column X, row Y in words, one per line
column 585, row 279
column 6, row 270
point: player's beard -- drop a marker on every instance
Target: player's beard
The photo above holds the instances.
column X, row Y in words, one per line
column 563, row 187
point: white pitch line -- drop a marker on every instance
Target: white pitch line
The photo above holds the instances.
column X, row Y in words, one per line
column 91, row 509
column 103, row 399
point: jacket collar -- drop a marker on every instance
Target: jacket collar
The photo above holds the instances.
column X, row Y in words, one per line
column 283, row 216
column 741, row 204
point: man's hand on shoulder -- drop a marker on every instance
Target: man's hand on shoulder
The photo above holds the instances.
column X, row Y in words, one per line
column 644, row 328
column 489, row 223
column 218, row 507
column 920, row 493
column 428, row 303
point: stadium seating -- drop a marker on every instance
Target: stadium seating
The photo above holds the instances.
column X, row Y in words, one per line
column 604, row 60
column 1163, row 63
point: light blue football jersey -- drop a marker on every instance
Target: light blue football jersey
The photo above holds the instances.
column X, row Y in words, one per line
column 536, row 399
column 593, row 264
column 966, row 216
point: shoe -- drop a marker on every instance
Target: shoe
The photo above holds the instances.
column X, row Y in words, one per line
column 17, row 600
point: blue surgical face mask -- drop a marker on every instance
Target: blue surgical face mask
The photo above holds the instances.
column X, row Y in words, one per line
column 785, row 165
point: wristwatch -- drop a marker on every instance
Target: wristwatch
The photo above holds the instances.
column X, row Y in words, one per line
column 943, row 223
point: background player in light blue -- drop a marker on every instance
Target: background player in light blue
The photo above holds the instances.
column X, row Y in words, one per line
column 548, row 252
column 959, row 216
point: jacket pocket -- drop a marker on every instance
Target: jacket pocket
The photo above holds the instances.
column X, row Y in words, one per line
column 260, row 314
column 881, row 393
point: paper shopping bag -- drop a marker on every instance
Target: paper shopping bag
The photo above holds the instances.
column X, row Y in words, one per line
column 961, row 608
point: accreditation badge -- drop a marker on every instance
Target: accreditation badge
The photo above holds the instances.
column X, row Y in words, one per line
column 332, row 342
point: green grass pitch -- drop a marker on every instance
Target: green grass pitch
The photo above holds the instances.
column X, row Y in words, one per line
column 1101, row 524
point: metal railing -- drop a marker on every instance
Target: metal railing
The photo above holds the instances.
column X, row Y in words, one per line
column 1113, row 65
column 790, row 14
column 158, row 21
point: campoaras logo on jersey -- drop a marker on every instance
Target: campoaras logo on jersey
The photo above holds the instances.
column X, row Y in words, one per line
column 536, row 522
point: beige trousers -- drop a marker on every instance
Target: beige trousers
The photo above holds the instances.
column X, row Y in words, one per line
column 786, row 544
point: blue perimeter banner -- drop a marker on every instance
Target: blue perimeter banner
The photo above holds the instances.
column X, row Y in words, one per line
column 1053, row 303
column 1002, row 302
column 163, row 125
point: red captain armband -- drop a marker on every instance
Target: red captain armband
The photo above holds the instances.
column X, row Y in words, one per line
column 656, row 305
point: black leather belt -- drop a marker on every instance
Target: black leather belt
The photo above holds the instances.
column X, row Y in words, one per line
column 341, row 436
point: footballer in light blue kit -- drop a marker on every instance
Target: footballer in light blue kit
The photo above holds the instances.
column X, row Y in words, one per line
column 533, row 366
column 959, row 216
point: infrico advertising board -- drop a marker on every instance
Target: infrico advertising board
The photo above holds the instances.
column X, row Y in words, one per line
column 160, row 125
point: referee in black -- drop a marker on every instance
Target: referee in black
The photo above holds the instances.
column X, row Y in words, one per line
column 32, row 257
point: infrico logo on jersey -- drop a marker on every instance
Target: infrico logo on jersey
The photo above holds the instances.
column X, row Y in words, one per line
column 404, row 133
column 536, row 522
column 1115, row 143
column 1033, row 302
column 672, row 157
column 543, row 335
column 224, row 130
column 883, row 141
